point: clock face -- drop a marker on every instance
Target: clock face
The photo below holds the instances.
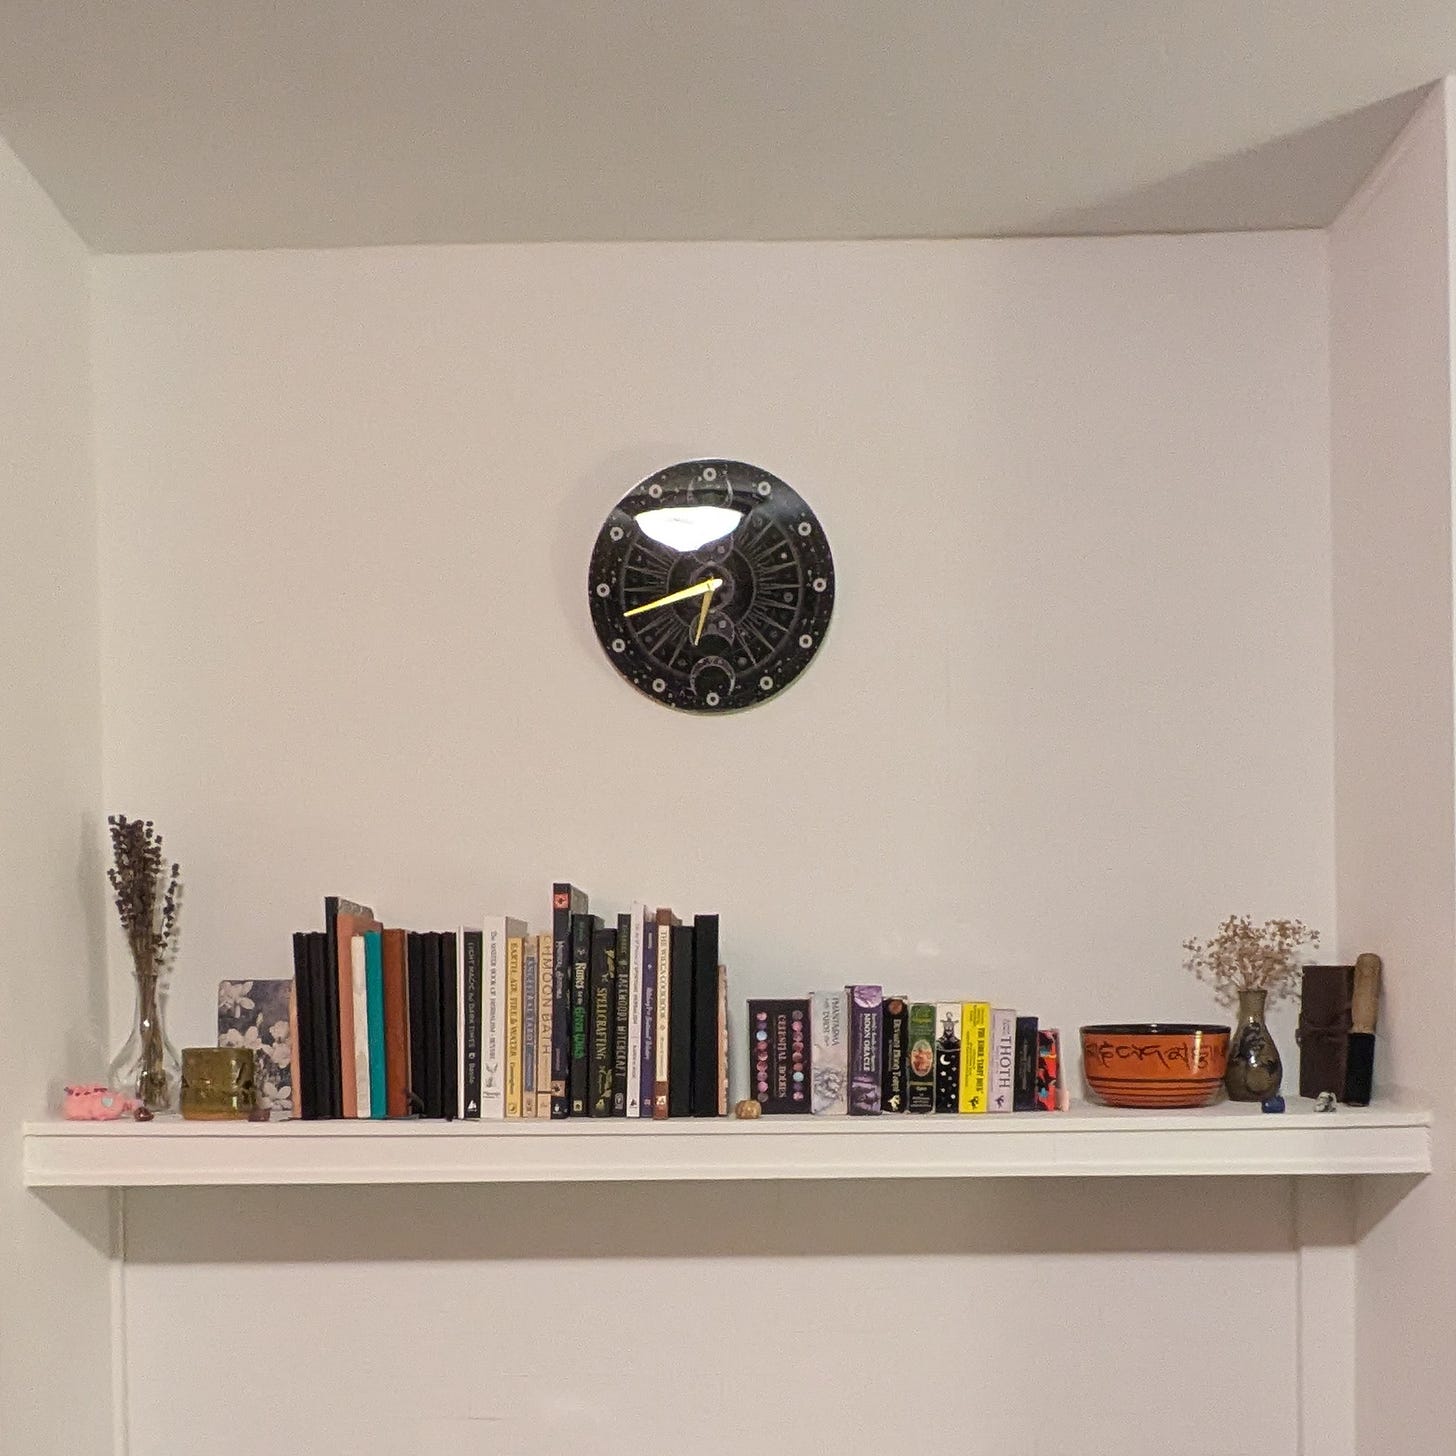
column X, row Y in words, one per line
column 711, row 586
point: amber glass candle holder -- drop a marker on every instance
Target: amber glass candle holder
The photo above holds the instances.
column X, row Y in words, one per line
column 217, row 1083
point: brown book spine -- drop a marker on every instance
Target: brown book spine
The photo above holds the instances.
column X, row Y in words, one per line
column 295, row 1077
column 722, row 1041
column 396, row 1024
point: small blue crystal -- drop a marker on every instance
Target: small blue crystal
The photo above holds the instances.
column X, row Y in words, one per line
column 1273, row 1104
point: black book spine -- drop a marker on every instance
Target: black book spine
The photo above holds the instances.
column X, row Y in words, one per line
column 320, row 979
column 621, row 1004
column 473, row 949
column 415, row 967
column 449, row 1026
column 680, row 1023
column 893, row 1043
column 1023, row 1069
column 434, row 1084
column 328, row 988
column 603, row 1007
column 566, row 903
column 947, row 1064
column 582, row 927
column 303, row 1054
column 704, row 1054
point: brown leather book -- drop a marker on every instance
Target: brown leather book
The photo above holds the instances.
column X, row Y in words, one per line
column 1323, row 1033
column 348, row 926
column 396, row 1023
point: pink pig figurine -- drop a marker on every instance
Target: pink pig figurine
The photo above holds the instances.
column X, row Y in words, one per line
column 97, row 1103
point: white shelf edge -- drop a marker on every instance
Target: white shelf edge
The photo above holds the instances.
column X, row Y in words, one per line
column 1090, row 1142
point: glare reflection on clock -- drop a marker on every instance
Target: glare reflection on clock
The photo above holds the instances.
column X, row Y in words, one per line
column 689, row 528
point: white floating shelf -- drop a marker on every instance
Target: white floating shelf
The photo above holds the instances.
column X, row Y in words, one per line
column 1223, row 1141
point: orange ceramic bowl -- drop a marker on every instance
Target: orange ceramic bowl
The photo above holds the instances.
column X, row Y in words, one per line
column 1155, row 1064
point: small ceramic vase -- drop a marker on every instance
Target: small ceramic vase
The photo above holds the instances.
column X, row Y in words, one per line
column 1254, row 1069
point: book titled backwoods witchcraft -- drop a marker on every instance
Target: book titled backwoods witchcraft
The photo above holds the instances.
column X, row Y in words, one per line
column 601, row 1042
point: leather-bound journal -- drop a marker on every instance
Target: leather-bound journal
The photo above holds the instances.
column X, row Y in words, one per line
column 1324, row 1028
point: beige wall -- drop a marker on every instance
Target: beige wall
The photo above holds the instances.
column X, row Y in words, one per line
column 55, row 1336
column 1390, row 265
column 1074, row 707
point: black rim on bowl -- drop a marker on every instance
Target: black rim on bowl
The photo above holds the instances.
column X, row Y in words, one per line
column 1154, row 1028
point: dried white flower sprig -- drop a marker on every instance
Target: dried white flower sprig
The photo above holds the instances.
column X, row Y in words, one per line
column 1242, row 956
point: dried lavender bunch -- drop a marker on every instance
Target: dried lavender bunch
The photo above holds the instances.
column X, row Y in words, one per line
column 1242, row 956
column 148, row 891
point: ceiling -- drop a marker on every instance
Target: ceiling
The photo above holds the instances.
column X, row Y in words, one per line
column 181, row 124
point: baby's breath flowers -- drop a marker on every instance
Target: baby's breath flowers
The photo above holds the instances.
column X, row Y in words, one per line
column 1242, row 956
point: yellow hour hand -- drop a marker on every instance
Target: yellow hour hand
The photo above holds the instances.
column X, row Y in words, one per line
column 703, row 588
column 703, row 617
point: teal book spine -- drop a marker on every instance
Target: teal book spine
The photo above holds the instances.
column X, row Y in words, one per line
column 374, row 989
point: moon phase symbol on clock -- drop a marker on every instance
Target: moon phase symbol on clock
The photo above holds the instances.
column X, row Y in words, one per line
column 701, row 594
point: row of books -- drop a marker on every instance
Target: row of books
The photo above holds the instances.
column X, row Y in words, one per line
column 625, row 1019
column 860, row 1052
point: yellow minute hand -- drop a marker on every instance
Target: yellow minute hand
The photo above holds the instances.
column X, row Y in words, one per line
column 703, row 588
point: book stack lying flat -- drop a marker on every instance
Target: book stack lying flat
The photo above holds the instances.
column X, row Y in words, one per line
column 861, row 1053
column 626, row 1018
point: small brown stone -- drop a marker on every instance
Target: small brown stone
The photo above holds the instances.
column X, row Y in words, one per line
column 143, row 1114
column 258, row 1114
column 748, row 1109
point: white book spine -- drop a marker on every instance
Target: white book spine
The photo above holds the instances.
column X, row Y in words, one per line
column 634, row 1014
column 1000, row 1083
column 829, row 1013
column 361, row 1022
column 529, row 986
column 499, row 929
column 492, row 1021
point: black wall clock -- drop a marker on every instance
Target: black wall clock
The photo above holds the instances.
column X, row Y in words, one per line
column 711, row 586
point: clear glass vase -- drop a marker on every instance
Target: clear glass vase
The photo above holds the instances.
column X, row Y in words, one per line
column 1254, row 1068
column 148, row 1067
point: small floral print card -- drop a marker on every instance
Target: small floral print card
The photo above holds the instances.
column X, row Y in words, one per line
column 255, row 1014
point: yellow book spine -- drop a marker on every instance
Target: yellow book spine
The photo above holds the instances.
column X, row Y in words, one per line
column 975, row 1054
column 515, row 967
column 545, row 949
